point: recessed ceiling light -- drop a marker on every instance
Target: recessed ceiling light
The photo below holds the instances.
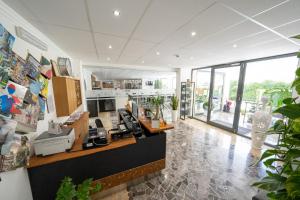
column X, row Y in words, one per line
column 234, row 46
column 117, row 13
column 193, row 33
column 108, row 58
column 143, row 61
column 109, row 46
column 157, row 53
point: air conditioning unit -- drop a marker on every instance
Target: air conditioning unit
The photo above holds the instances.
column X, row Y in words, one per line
column 28, row 37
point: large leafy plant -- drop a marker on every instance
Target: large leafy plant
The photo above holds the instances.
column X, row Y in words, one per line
column 158, row 104
column 69, row 191
column 283, row 163
column 174, row 102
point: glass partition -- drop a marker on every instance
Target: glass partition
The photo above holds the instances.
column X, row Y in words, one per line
column 201, row 77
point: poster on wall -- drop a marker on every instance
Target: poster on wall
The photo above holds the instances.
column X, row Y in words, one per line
column 46, row 67
column 28, row 118
column 33, row 91
column 6, row 39
column 64, row 65
column 19, row 70
column 17, row 156
column 4, row 68
column 43, row 82
column 33, row 67
column 42, row 104
column 7, row 132
column 11, row 98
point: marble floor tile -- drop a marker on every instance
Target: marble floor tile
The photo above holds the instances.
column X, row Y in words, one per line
column 202, row 162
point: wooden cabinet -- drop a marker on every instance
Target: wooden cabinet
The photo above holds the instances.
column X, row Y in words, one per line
column 67, row 95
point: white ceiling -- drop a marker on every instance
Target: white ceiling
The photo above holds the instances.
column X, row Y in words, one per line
column 85, row 29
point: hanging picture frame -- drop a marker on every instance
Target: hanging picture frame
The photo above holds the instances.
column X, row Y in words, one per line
column 55, row 68
column 46, row 67
column 64, row 66
column 33, row 66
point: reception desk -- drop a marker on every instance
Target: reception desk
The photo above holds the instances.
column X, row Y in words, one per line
column 119, row 162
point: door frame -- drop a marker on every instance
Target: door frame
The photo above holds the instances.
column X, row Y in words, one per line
column 242, row 74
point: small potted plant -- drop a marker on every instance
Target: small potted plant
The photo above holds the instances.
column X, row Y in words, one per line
column 157, row 103
column 174, row 105
column 69, row 191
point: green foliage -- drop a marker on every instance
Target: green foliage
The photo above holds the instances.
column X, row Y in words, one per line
column 174, row 102
column 158, row 84
column 69, row 191
column 283, row 179
column 274, row 90
column 158, row 104
column 201, row 98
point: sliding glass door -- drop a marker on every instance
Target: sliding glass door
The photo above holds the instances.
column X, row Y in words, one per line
column 223, row 98
column 201, row 77
column 267, row 78
column 227, row 96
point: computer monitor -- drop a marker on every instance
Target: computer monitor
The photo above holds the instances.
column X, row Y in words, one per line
column 135, row 110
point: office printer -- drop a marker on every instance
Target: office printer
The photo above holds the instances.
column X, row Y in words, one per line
column 49, row 143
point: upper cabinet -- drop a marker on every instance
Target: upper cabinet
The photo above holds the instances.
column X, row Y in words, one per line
column 67, row 95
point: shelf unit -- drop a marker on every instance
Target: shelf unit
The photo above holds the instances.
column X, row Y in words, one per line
column 67, row 95
column 186, row 99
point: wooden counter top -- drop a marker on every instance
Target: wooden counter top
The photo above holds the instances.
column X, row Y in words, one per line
column 36, row 161
column 147, row 123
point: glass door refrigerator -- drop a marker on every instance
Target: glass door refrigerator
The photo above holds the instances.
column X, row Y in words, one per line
column 186, row 99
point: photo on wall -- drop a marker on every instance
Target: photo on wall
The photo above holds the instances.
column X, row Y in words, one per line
column 5, row 70
column 42, row 104
column 55, row 68
column 46, row 67
column 6, row 39
column 33, row 92
column 18, row 155
column 11, row 98
column 28, row 118
column 19, row 70
column 64, row 66
column 43, row 85
column 7, row 132
column 34, row 67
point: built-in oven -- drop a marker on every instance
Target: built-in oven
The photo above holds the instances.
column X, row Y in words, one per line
column 92, row 106
column 107, row 104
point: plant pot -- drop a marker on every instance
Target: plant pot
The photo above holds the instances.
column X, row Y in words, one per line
column 155, row 123
column 174, row 115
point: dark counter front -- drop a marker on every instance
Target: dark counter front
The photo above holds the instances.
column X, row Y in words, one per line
column 109, row 167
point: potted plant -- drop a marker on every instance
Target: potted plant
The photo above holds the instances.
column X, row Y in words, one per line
column 283, row 163
column 157, row 103
column 174, row 104
column 69, row 191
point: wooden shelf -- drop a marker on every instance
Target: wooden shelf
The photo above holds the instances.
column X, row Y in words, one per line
column 67, row 95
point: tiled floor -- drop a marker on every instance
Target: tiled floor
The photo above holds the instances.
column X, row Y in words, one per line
column 203, row 162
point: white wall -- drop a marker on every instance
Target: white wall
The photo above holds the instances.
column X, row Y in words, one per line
column 15, row 184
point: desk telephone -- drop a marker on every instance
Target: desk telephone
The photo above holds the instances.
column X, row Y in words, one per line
column 95, row 138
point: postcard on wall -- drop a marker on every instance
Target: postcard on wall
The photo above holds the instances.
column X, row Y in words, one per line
column 55, row 68
column 6, row 39
column 33, row 91
column 19, row 70
column 42, row 104
column 28, row 118
column 5, row 70
column 11, row 98
column 33, row 67
column 46, row 67
column 7, row 132
column 18, row 155
column 65, row 67
column 43, row 85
